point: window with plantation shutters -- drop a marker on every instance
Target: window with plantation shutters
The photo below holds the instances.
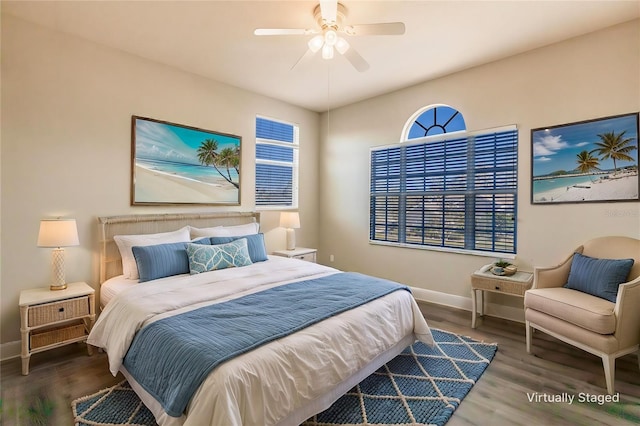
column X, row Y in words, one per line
column 455, row 192
column 276, row 163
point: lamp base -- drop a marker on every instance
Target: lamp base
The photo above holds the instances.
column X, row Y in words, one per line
column 291, row 239
column 57, row 270
column 57, row 287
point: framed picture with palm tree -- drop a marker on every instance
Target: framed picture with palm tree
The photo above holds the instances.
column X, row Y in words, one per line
column 178, row 164
column 587, row 161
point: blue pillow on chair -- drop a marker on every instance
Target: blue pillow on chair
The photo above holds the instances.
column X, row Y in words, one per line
column 598, row 277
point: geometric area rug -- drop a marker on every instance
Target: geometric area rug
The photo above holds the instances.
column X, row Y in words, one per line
column 421, row 386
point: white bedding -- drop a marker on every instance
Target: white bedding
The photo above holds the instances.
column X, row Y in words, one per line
column 110, row 288
column 266, row 385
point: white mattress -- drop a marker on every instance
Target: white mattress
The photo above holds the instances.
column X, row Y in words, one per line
column 113, row 286
column 276, row 382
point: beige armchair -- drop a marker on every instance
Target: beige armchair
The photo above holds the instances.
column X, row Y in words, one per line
column 596, row 325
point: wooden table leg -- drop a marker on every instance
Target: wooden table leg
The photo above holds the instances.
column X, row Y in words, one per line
column 25, row 365
column 473, row 308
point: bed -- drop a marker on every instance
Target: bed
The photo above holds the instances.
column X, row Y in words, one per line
column 283, row 378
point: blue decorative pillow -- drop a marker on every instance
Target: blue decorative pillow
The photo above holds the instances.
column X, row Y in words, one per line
column 599, row 277
column 204, row 258
column 162, row 260
column 255, row 244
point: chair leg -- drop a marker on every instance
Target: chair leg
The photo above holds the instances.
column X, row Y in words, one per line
column 528, row 338
column 609, row 364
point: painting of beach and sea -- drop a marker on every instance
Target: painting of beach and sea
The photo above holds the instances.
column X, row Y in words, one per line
column 176, row 164
column 589, row 161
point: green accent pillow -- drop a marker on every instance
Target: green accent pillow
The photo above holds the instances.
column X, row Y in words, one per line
column 204, row 258
column 598, row 277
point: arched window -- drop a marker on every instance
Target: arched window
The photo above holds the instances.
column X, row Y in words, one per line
column 433, row 120
column 446, row 188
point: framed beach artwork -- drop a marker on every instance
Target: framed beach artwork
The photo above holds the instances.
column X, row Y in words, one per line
column 177, row 164
column 588, row 161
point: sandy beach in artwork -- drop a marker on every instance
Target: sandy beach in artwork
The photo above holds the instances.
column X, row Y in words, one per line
column 155, row 186
column 623, row 186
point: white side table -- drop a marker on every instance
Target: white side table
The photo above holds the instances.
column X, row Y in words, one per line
column 50, row 319
column 483, row 280
column 302, row 253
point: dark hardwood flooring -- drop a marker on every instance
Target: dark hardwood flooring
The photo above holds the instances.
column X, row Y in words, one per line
column 501, row 396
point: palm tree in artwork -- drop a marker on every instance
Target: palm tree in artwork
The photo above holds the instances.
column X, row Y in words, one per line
column 587, row 162
column 209, row 156
column 616, row 147
column 228, row 157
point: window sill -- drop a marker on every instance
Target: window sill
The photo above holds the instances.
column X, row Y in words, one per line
column 447, row 250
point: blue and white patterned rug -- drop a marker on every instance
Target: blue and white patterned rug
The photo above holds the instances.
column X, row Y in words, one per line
column 421, row 386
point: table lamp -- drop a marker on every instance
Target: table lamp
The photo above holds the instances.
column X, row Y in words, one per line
column 291, row 221
column 58, row 233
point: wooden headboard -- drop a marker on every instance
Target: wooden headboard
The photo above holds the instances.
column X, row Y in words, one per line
column 110, row 261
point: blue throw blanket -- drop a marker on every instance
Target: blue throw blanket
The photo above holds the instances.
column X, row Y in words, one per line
column 171, row 357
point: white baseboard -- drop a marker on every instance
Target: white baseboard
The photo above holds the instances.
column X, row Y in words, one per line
column 460, row 302
column 10, row 350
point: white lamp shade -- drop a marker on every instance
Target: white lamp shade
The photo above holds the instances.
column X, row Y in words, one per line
column 316, row 43
column 327, row 51
column 58, row 233
column 290, row 220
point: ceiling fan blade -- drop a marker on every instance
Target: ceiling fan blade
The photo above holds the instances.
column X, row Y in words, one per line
column 304, row 58
column 345, row 49
column 329, row 10
column 387, row 28
column 356, row 60
column 281, row 31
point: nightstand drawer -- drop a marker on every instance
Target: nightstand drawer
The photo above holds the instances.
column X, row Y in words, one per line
column 56, row 335
column 58, row 311
column 513, row 288
column 309, row 257
column 300, row 253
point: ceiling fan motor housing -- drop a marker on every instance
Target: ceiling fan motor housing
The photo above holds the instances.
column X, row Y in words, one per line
column 341, row 14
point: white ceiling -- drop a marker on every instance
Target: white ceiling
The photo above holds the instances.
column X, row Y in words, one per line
column 215, row 39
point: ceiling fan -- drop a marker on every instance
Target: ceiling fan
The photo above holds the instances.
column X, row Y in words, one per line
column 330, row 16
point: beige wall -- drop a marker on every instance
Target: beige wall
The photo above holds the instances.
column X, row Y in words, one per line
column 66, row 109
column 588, row 77
column 66, row 146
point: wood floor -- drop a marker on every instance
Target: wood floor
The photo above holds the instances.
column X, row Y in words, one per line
column 501, row 397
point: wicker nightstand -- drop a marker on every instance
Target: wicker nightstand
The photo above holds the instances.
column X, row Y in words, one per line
column 308, row 254
column 483, row 280
column 49, row 319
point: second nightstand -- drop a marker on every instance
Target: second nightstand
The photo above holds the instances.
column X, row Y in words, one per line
column 483, row 280
column 49, row 319
column 308, row 254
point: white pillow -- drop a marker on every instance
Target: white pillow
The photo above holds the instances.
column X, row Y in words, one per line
column 201, row 232
column 127, row 242
column 225, row 231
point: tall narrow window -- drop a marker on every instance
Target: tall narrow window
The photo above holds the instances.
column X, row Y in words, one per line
column 454, row 192
column 276, row 163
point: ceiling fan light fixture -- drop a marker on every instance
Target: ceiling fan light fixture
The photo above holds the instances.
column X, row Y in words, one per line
column 330, row 37
column 327, row 51
column 342, row 45
column 316, row 43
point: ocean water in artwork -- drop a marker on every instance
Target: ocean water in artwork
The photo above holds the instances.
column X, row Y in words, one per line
column 196, row 172
column 562, row 182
